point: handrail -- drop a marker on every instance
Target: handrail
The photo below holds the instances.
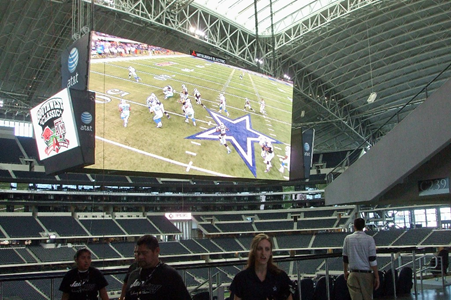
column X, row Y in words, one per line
column 52, row 275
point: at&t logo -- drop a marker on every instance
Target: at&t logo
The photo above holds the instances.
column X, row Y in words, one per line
column 72, row 63
column 86, row 118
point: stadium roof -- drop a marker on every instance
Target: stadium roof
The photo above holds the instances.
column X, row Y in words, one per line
column 336, row 52
column 245, row 13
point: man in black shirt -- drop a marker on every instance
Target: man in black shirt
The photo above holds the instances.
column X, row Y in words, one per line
column 154, row 279
column 131, row 268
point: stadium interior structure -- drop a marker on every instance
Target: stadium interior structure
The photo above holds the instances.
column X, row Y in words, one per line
column 360, row 68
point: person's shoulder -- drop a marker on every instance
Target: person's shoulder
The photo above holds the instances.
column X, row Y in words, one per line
column 278, row 272
column 167, row 268
column 71, row 271
column 94, row 270
column 244, row 273
column 133, row 267
column 134, row 271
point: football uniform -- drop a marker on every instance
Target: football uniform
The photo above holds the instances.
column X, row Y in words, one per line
column 185, row 103
column 158, row 109
column 222, row 104
column 262, row 143
column 132, row 72
column 125, row 109
column 269, row 155
column 197, row 96
column 222, row 129
column 262, row 107
column 168, row 92
column 151, row 101
column 183, row 97
column 285, row 162
column 247, row 104
column 189, row 112
column 184, row 89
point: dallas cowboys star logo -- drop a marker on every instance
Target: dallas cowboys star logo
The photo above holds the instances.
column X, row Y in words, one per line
column 241, row 135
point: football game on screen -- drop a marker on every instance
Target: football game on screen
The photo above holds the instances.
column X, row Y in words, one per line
column 160, row 111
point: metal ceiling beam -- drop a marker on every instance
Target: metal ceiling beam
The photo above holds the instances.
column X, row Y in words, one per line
column 313, row 90
column 319, row 18
column 242, row 45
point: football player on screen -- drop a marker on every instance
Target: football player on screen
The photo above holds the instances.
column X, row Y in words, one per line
column 247, row 105
column 185, row 90
column 185, row 100
column 222, row 129
column 168, row 92
column 262, row 107
column 152, row 100
column 222, row 104
column 269, row 149
column 189, row 112
column 197, row 97
column 285, row 162
column 158, row 109
column 262, row 142
column 125, row 109
column 132, row 72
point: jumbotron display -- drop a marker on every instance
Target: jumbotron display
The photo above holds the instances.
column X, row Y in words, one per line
column 168, row 113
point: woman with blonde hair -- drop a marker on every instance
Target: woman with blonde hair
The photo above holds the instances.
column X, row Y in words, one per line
column 261, row 279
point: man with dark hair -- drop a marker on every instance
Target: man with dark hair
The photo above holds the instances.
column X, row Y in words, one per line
column 83, row 282
column 154, row 279
column 359, row 263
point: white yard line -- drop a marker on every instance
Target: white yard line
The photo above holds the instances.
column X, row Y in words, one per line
column 171, row 161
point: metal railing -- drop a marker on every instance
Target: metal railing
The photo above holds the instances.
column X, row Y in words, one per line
column 214, row 283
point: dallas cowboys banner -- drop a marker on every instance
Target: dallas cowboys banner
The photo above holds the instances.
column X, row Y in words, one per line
column 74, row 65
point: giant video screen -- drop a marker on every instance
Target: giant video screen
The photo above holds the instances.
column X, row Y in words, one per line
column 172, row 114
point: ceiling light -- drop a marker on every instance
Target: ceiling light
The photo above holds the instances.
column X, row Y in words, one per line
column 372, row 97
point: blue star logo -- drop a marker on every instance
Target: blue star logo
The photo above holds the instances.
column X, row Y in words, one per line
column 241, row 135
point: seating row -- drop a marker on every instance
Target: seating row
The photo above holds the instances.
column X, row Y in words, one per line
column 229, row 246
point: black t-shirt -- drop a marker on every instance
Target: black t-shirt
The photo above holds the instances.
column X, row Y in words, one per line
column 83, row 285
column 160, row 283
column 247, row 285
column 132, row 267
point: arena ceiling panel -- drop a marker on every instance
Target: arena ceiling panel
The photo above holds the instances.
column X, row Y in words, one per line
column 247, row 13
column 337, row 52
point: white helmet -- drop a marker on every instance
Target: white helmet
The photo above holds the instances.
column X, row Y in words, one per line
column 123, row 101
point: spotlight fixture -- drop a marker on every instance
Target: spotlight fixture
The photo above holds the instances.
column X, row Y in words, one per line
column 372, row 97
